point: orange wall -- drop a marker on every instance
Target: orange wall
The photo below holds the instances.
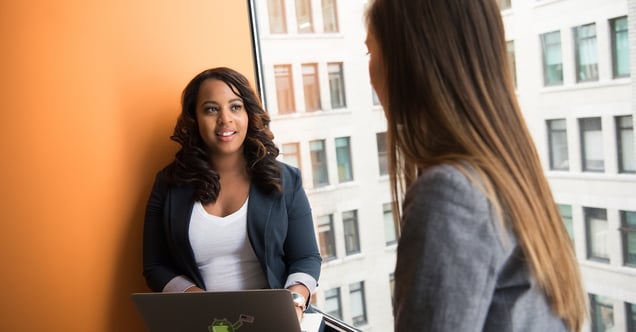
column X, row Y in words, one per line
column 89, row 96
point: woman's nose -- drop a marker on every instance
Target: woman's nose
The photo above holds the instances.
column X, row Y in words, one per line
column 225, row 116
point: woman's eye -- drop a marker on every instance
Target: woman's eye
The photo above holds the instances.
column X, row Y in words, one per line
column 236, row 107
column 210, row 109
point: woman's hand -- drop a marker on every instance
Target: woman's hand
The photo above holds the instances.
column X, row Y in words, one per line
column 193, row 289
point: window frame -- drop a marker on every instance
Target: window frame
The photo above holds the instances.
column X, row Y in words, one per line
column 578, row 41
column 329, row 240
column 552, row 149
column 620, row 129
column 337, row 91
column 615, row 46
column 546, row 45
column 627, row 230
column 345, row 167
column 358, row 288
column 591, row 214
column 584, row 125
column 351, row 232
column 319, row 163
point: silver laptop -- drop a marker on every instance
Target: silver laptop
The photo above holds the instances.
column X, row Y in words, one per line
column 235, row 311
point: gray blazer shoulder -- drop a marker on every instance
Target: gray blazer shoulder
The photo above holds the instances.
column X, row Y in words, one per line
column 458, row 269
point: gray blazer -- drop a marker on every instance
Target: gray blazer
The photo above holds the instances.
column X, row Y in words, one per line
column 456, row 270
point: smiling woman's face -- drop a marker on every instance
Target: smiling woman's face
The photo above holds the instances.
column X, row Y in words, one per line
column 376, row 67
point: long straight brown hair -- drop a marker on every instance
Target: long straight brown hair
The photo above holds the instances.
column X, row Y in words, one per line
column 451, row 99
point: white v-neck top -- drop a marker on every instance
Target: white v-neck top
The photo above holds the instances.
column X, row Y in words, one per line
column 223, row 252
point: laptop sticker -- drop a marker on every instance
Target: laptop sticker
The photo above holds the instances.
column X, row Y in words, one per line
column 224, row 325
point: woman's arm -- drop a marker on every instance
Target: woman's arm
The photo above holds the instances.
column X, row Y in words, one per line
column 447, row 255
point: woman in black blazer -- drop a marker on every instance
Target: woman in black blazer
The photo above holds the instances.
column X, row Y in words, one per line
column 225, row 214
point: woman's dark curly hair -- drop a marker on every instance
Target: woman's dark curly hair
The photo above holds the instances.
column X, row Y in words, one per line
column 192, row 166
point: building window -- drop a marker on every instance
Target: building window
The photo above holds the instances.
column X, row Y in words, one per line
column 326, row 237
column 336, row 85
column 374, row 97
column 351, row 233
column 596, row 230
column 602, row 312
column 625, row 144
column 284, row 89
column 276, row 11
column 392, row 287
column 343, row 159
column 332, row 302
column 552, row 58
column 566, row 216
column 628, row 230
column 558, row 144
column 592, row 145
column 304, row 17
column 319, row 163
column 586, row 53
column 382, row 153
column 329, row 16
column 291, row 154
column 358, row 306
column 620, row 47
column 504, row 4
column 311, row 87
column 389, row 224
column 512, row 63
column 630, row 313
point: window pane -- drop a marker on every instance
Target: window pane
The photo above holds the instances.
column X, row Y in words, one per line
column 625, row 141
column 319, row 163
column 628, row 230
column 602, row 311
column 329, row 16
column 311, row 87
column 332, row 302
column 352, row 237
column 586, row 53
column 326, row 237
column 336, row 85
column 552, row 59
column 630, row 312
column 597, row 233
column 303, row 16
column 358, row 307
column 511, row 61
column 389, row 224
column 566, row 216
column 291, row 154
column 558, row 141
column 284, row 89
column 343, row 158
column 620, row 47
column 592, row 145
column 277, row 21
column 382, row 153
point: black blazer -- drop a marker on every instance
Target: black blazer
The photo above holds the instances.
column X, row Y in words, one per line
column 279, row 226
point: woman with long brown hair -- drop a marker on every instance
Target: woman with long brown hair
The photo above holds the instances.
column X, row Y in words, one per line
column 482, row 244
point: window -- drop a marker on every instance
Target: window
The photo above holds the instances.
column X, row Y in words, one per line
column 558, row 144
column 343, row 159
column 303, row 16
column 311, row 87
column 602, row 312
column 504, row 4
column 566, row 216
column 319, row 163
column 510, row 45
column 392, row 286
column 284, row 89
column 336, row 85
column 552, row 58
column 329, row 16
column 389, row 224
column 620, row 47
column 276, row 11
column 326, row 237
column 358, row 306
column 592, row 145
column 586, row 53
column 628, row 230
column 351, row 234
column 625, row 144
column 596, row 230
column 332, row 302
column 382, row 153
column 630, row 313
column 291, row 154
column 374, row 97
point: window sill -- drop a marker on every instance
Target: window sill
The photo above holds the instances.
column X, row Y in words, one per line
column 586, row 85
